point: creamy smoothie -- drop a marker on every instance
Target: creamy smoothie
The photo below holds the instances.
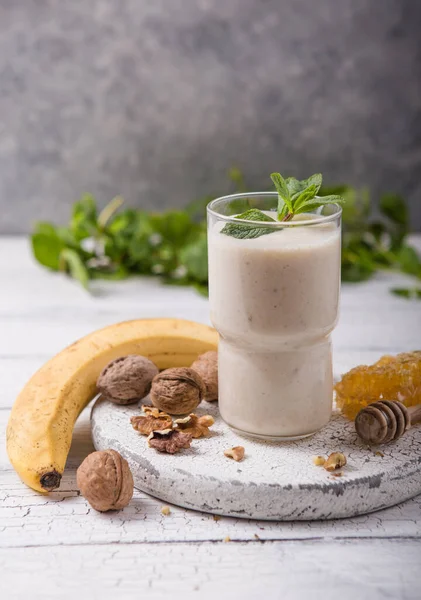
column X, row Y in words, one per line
column 274, row 300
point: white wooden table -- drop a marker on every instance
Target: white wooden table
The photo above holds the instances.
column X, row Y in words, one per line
column 58, row 547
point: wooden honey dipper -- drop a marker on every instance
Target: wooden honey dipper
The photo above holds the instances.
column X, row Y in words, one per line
column 384, row 421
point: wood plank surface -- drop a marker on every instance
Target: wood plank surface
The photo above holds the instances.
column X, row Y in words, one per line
column 57, row 547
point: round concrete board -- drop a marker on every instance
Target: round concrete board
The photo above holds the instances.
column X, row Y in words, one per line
column 275, row 481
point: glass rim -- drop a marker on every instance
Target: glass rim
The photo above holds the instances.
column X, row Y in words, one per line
column 276, row 224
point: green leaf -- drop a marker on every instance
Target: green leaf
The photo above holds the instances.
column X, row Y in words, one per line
column 243, row 231
column 304, row 198
column 45, row 228
column 174, row 226
column 114, row 275
column 394, row 208
column 83, row 223
column 202, row 288
column 107, row 212
column 194, row 257
column 71, row 260
column 409, row 293
column 283, row 192
column 296, row 186
column 409, row 261
column 237, row 177
column 47, row 248
column 356, row 272
column 312, row 204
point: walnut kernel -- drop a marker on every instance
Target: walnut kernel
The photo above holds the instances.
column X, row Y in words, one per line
column 127, row 379
column 169, row 440
column 196, row 426
column 105, row 480
column 177, row 391
column 207, row 367
column 153, row 420
column 237, row 453
column 319, row 461
column 334, row 461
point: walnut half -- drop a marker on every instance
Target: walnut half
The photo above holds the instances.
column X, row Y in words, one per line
column 196, row 426
column 153, row 420
column 169, row 440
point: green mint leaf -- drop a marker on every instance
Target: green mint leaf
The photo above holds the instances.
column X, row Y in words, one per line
column 202, row 288
column 174, row 226
column 237, row 177
column 283, row 192
column 70, row 259
column 117, row 274
column 83, row 223
column 243, row 231
column 409, row 261
column 314, row 203
column 296, row 187
column 45, row 228
column 408, row 293
column 394, row 208
column 194, row 257
column 304, row 197
column 47, row 246
column 109, row 210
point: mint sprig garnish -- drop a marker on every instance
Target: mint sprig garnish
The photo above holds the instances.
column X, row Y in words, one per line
column 242, row 231
column 294, row 197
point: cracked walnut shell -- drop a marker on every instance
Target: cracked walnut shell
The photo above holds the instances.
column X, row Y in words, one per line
column 127, row 379
column 207, row 367
column 196, row 426
column 152, row 420
column 177, row 391
column 169, row 440
column 105, row 480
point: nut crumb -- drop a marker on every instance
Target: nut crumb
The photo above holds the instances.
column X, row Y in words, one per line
column 256, row 536
column 227, row 539
column 319, row 461
column 336, row 460
column 165, row 510
column 216, row 518
column 338, row 474
column 237, row 453
column 378, row 453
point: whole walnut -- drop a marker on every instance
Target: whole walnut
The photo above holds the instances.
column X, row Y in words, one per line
column 207, row 367
column 127, row 379
column 105, row 480
column 177, row 391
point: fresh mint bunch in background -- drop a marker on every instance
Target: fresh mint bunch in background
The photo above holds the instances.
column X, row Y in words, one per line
column 106, row 245
column 116, row 243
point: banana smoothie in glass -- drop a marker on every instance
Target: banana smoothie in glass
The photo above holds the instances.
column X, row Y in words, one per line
column 274, row 295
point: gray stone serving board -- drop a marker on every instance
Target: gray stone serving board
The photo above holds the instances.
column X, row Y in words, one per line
column 275, row 481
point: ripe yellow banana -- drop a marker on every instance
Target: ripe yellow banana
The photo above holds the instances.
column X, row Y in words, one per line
column 39, row 432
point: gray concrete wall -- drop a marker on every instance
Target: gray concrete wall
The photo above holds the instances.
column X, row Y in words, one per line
column 155, row 99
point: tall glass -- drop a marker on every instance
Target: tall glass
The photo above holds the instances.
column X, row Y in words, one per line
column 274, row 301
